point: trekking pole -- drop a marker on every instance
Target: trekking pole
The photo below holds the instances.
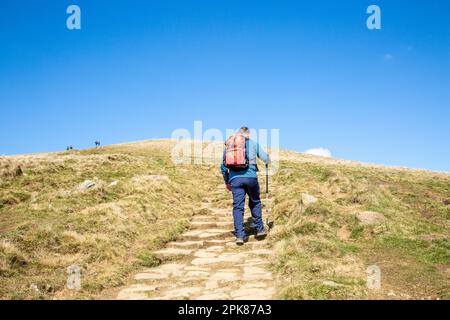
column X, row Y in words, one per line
column 267, row 196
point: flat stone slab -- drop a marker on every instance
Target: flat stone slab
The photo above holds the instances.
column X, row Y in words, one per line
column 252, row 294
column 205, row 254
column 192, row 233
column 206, row 233
column 212, row 267
column 198, row 243
column 181, row 293
column 171, row 267
column 218, row 241
column 258, row 276
column 213, row 296
column 225, row 276
column 201, row 217
column 232, row 256
column 255, row 284
column 173, row 252
column 151, row 276
column 135, row 292
column 214, row 234
column 203, row 223
column 227, row 224
column 204, row 261
column 253, row 262
column 196, row 268
column 212, row 219
column 370, row 218
column 215, row 249
column 195, row 275
column 132, row 296
column 254, row 270
column 161, row 272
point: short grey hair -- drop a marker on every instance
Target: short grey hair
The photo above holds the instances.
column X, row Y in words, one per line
column 244, row 130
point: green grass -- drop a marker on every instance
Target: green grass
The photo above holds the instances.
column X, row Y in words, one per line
column 47, row 225
column 416, row 228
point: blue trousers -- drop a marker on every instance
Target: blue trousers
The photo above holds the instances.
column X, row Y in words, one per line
column 241, row 187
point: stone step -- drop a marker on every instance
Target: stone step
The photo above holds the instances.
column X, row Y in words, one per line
column 212, row 267
column 212, row 218
column 161, row 272
column 204, row 234
column 212, row 224
column 187, row 244
column 169, row 252
column 227, row 257
column 136, row 292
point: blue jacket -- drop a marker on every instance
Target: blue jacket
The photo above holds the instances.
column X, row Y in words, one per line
column 253, row 151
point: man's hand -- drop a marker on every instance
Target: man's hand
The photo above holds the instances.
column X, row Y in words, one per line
column 228, row 187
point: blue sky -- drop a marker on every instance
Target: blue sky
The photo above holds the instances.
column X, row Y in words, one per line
column 140, row 69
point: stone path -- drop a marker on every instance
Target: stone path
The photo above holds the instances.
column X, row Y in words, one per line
column 205, row 264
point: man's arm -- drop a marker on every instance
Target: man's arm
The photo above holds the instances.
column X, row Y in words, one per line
column 224, row 170
column 262, row 154
column 225, row 173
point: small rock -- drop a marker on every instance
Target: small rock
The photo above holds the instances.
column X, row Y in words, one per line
column 114, row 183
column 370, row 217
column 88, row 184
column 330, row 283
column 35, row 288
column 308, row 199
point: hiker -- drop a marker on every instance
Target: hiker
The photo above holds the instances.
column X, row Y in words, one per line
column 239, row 173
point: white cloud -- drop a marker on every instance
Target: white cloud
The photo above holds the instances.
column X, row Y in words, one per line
column 321, row 152
column 388, row 57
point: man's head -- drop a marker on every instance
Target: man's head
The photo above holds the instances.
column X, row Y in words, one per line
column 245, row 131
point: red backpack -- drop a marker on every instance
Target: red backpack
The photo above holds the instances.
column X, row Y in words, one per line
column 235, row 157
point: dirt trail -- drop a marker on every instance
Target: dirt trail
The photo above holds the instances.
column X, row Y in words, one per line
column 205, row 263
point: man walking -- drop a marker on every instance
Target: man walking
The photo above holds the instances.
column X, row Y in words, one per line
column 239, row 173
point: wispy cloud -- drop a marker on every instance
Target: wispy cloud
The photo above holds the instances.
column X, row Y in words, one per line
column 321, row 152
column 388, row 57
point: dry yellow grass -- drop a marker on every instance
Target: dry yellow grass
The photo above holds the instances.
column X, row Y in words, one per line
column 141, row 200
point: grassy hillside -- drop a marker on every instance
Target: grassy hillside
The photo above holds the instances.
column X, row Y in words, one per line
column 325, row 248
column 139, row 200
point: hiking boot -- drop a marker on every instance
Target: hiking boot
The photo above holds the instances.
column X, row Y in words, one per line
column 260, row 235
column 240, row 241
